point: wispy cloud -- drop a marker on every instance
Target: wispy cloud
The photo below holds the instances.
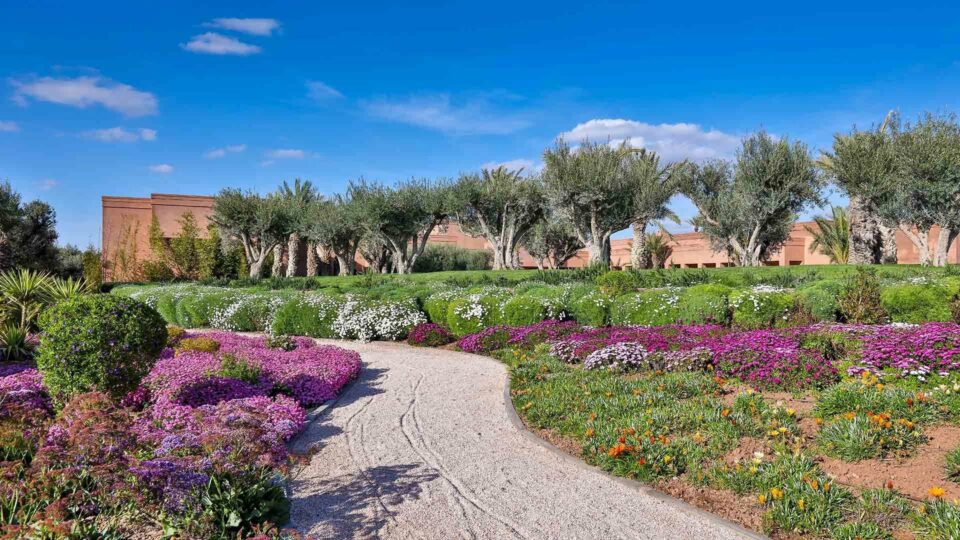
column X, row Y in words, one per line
column 287, row 153
column 671, row 141
column 267, row 162
column 214, row 43
column 256, row 27
column 84, row 92
column 440, row 112
column 218, row 153
column 46, row 184
column 320, row 91
column 527, row 165
column 162, row 168
column 8, row 126
column 119, row 134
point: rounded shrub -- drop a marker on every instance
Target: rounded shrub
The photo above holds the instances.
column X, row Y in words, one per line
column 820, row 299
column 591, row 308
column 105, row 343
column 473, row 313
column 436, row 308
column 524, row 310
column 311, row 315
column 198, row 344
column 706, row 303
column 652, row 307
column 762, row 307
column 916, row 303
column 429, row 335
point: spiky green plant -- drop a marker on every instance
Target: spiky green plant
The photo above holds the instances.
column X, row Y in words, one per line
column 23, row 294
column 66, row 289
column 14, row 343
column 831, row 236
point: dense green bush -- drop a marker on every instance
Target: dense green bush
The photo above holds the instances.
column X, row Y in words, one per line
column 617, row 283
column 707, row 303
column 310, row 315
column 474, row 312
column 916, row 303
column 650, row 307
column 859, row 300
column 762, row 307
column 437, row 307
column 591, row 308
column 524, row 310
column 819, row 298
column 102, row 342
column 443, row 258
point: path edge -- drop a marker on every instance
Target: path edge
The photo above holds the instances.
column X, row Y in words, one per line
column 645, row 489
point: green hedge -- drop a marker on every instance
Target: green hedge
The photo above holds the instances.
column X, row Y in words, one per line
column 760, row 308
column 474, row 312
column 651, row 307
column 591, row 308
column 311, row 315
column 707, row 303
column 820, row 299
column 916, row 303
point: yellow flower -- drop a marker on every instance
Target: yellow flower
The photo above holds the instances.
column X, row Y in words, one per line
column 667, row 458
column 800, row 504
column 937, row 492
column 791, row 412
column 762, row 499
column 589, row 432
column 776, row 493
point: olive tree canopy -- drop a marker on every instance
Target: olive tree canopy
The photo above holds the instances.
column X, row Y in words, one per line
column 748, row 207
column 500, row 206
column 259, row 223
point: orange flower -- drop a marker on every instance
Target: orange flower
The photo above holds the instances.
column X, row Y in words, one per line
column 589, row 432
column 937, row 492
column 890, row 484
column 762, row 499
column 641, row 462
column 725, row 413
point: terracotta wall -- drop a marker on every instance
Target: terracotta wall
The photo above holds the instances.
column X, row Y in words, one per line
column 126, row 223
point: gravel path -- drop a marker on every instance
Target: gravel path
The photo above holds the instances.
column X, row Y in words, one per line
column 425, row 445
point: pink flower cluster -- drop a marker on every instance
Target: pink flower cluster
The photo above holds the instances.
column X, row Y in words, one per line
column 21, row 385
column 931, row 348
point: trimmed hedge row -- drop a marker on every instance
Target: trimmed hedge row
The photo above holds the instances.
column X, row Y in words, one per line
column 469, row 310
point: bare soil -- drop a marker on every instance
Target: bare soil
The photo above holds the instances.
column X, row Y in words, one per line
column 912, row 476
column 741, row 509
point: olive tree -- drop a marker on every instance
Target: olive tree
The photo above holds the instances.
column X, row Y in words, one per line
column 258, row 223
column 747, row 208
column 337, row 225
column 404, row 216
column 590, row 188
column 500, row 206
column 551, row 243
column 862, row 164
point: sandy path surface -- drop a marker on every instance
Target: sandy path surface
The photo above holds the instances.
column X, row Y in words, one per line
column 424, row 445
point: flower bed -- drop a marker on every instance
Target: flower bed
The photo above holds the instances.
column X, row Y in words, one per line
column 196, row 449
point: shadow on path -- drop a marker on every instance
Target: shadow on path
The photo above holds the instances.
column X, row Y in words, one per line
column 358, row 505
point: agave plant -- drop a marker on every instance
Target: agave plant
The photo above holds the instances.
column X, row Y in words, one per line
column 23, row 293
column 15, row 343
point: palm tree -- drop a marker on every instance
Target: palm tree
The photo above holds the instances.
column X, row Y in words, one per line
column 298, row 197
column 832, row 236
column 657, row 248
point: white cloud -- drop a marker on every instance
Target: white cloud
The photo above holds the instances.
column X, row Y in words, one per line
column 474, row 116
column 319, row 91
column 527, row 165
column 287, row 153
column 46, row 184
column 119, row 134
column 267, row 162
column 214, row 43
column 218, row 153
column 85, row 91
column 671, row 141
column 163, row 168
column 8, row 126
column 256, row 27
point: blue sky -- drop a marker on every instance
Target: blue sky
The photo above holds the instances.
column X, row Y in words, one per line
column 173, row 97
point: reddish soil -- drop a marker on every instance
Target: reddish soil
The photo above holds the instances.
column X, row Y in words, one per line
column 742, row 509
column 745, row 449
column 568, row 445
column 802, row 404
column 913, row 476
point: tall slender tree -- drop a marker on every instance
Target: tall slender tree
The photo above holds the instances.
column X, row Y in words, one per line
column 654, row 185
column 298, row 196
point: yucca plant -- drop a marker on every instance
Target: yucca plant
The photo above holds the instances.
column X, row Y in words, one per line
column 23, row 293
column 66, row 289
column 832, row 236
column 15, row 343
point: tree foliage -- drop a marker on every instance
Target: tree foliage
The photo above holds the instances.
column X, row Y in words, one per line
column 28, row 235
column 338, row 225
column 552, row 243
column 748, row 207
column 500, row 206
column 259, row 223
column 298, row 197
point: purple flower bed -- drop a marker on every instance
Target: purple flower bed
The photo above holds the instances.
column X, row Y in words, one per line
column 195, row 419
column 500, row 336
column 932, row 348
column 429, row 335
column 575, row 348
